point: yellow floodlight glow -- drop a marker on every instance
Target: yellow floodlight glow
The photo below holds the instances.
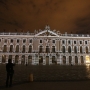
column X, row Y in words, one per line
column 87, row 59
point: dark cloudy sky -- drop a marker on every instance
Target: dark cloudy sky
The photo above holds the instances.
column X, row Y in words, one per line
column 64, row 15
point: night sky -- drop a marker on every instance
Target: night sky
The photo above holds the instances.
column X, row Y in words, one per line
column 72, row 16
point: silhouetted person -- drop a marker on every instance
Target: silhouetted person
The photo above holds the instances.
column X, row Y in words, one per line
column 10, row 72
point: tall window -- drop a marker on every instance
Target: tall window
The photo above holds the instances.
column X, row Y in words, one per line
column 41, row 49
column 11, row 48
column 63, row 49
column 5, row 48
column 69, row 49
column 75, row 49
column 30, row 49
column 53, row 49
column 47, row 49
column 40, row 41
column 23, row 49
column 17, row 48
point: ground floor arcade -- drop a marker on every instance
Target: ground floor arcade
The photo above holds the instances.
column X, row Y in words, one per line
column 43, row 59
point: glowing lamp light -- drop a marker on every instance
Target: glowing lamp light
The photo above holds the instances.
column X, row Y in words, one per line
column 87, row 59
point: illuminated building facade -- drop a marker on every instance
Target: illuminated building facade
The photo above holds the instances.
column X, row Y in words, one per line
column 45, row 47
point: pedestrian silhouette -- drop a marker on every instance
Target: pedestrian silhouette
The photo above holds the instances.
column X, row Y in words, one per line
column 10, row 72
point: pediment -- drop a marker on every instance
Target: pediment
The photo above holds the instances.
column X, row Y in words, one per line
column 47, row 32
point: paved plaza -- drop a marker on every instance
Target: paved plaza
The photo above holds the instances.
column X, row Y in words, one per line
column 46, row 74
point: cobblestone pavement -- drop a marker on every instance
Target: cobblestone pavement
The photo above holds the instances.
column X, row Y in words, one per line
column 46, row 73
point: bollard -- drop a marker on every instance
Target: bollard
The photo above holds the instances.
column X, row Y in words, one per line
column 31, row 77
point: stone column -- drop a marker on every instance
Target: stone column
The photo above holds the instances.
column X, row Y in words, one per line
column 50, row 59
column 7, row 57
column 26, row 59
column 19, row 61
column 58, row 59
column 79, row 60
column 61, row 60
column 44, row 60
column 67, row 60
column 13, row 59
column 33, row 59
column 73, row 60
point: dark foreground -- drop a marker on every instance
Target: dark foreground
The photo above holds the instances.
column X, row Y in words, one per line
column 47, row 77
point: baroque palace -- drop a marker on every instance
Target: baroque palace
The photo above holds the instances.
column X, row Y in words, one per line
column 45, row 47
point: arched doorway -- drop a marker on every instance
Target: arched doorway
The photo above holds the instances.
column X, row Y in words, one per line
column 54, row 60
column 16, row 59
column 23, row 59
column 29, row 59
column 40, row 59
column 3, row 58
column 64, row 59
column 82, row 60
column 10, row 57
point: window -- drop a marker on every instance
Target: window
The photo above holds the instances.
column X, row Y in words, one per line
column 85, row 42
column 40, row 41
column 69, row 42
column 74, row 42
column 30, row 40
column 63, row 42
column 80, row 42
column 5, row 40
column 17, row 40
column 24, row 40
column 0, row 40
column 11, row 40
column 53, row 41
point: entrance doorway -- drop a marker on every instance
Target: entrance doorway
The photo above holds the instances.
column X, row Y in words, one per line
column 47, row 59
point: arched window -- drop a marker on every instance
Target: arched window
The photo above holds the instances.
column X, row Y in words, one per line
column 17, row 48
column 30, row 49
column 40, row 49
column 63, row 49
column 53, row 49
column 69, row 49
column 11, row 48
column 75, row 49
column 64, row 59
column 23, row 49
column 16, row 59
column 80, row 49
column 5, row 48
column 82, row 60
column 86, row 49
column 47, row 49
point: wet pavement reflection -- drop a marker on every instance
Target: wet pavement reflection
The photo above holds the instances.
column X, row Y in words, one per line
column 47, row 73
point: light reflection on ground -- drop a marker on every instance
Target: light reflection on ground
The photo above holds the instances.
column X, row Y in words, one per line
column 47, row 73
